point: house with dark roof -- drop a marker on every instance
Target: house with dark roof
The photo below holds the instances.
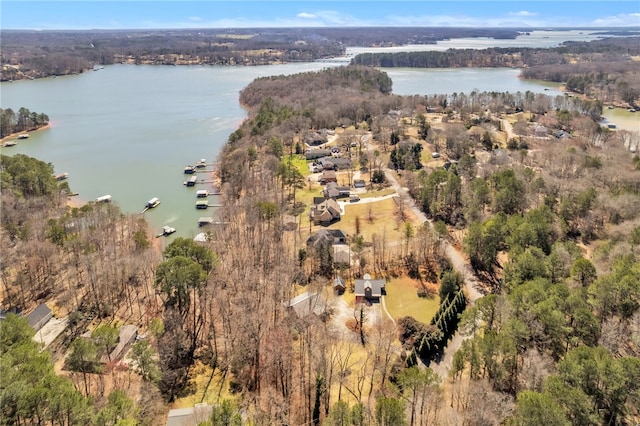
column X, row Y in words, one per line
column 333, row 190
column 359, row 183
column 314, row 154
column 368, row 290
column 325, row 212
column 335, row 163
column 331, row 236
column 39, row 317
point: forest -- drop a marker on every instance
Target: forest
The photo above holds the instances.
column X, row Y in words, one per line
column 36, row 54
column 549, row 226
column 23, row 121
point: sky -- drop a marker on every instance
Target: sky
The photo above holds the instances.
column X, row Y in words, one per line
column 141, row 14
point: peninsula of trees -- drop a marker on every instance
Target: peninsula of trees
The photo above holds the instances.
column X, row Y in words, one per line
column 519, row 212
column 24, row 121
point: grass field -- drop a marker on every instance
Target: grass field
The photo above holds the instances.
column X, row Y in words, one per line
column 402, row 300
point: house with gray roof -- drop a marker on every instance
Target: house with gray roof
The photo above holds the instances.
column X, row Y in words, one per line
column 331, row 236
column 306, row 304
column 39, row 317
column 325, row 213
column 368, row 290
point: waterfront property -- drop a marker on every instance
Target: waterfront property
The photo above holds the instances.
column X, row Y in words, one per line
column 202, row 204
column 202, row 193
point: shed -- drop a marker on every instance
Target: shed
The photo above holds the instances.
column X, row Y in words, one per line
column 338, row 285
column 39, row 317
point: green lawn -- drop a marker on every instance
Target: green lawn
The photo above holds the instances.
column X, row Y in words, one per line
column 402, row 300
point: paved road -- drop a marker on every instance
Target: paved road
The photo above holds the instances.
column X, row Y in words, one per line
column 459, row 263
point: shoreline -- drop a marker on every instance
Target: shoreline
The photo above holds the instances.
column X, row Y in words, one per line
column 15, row 135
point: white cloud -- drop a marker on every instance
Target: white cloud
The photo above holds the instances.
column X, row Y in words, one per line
column 621, row 20
column 305, row 15
column 523, row 13
column 195, row 19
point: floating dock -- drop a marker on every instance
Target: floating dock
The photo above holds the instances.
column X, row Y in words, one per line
column 166, row 230
column 202, row 204
column 192, row 181
column 103, row 199
column 151, row 204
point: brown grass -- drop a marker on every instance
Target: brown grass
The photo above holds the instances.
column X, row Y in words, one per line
column 402, row 300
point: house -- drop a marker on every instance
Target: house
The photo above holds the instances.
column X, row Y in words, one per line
column 359, row 183
column 314, row 154
column 368, row 290
column 314, row 138
column 192, row 416
column 338, row 285
column 328, row 176
column 326, row 212
column 39, row 317
column 333, row 236
column 306, row 304
column 335, row 163
column 332, row 190
column 540, row 131
column 341, row 254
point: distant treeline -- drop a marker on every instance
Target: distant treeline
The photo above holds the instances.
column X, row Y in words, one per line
column 600, row 68
column 35, row 54
column 23, row 121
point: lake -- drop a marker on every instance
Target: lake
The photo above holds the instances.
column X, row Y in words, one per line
column 129, row 130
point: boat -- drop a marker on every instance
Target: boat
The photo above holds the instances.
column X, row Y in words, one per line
column 154, row 202
column 205, row 221
column 192, row 181
column 202, row 193
column 201, row 163
column 103, row 199
column 23, row 136
column 10, row 143
column 166, row 230
column 62, row 176
column 188, row 170
column 203, row 204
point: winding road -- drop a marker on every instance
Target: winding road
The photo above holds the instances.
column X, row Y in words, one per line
column 460, row 264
